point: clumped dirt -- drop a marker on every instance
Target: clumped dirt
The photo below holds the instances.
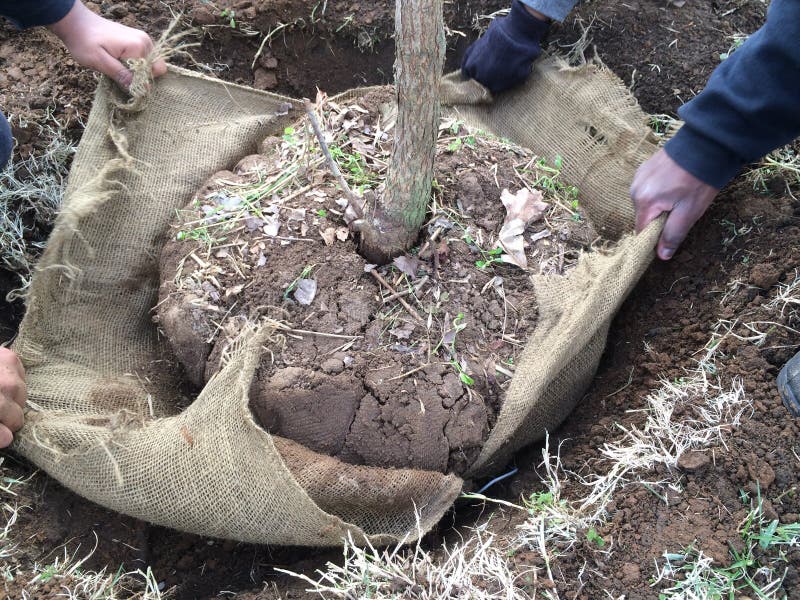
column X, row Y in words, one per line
column 672, row 309
column 351, row 371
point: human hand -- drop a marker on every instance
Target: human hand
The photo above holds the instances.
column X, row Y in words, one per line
column 13, row 395
column 100, row 44
column 503, row 56
column 662, row 185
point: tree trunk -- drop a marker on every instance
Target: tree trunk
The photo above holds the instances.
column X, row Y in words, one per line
column 393, row 227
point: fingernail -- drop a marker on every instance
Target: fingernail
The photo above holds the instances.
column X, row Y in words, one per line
column 667, row 253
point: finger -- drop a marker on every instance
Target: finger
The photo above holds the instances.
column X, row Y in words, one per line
column 677, row 227
column 11, row 415
column 159, row 67
column 647, row 210
column 10, row 359
column 6, row 437
column 113, row 68
column 136, row 45
column 12, row 386
column 646, row 214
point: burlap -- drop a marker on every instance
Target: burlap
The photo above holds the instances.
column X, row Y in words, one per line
column 105, row 428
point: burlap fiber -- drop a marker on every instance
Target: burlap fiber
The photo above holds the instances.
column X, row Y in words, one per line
column 105, row 429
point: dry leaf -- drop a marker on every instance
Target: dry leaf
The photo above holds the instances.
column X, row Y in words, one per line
column 403, row 332
column 540, row 235
column 407, row 264
column 522, row 209
column 328, row 235
column 253, row 223
column 342, row 233
column 271, row 226
column 233, row 291
column 305, row 291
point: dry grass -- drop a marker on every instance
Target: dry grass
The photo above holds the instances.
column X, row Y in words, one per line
column 783, row 163
column 67, row 573
column 31, row 191
column 475, row 569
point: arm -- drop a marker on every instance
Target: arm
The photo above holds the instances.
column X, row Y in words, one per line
column 748, row 108
column 33, row 14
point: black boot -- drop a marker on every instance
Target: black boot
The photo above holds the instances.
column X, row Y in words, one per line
column 789, row 384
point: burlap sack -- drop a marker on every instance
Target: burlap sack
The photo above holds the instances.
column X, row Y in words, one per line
column 104, row 427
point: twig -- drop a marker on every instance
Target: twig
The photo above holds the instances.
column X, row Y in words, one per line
column 389, row 287
column 432, row 239
column 395, row 296
column 323, row 334
column 351, row 197
column 415, row 290
column 617, row 391
column 407, row 373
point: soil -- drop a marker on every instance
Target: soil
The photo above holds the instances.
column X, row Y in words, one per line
column 355, row 374
column 672, row 310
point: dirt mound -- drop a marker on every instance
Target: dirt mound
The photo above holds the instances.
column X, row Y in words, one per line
column 402, row 366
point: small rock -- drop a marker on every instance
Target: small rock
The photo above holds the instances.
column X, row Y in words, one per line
column 768, row 510
column 269, row 144
column 451, row 390
column 15, row 73
column 761, row 472
column 38, row 102
column 764, row 276
column 692, row 462
column 268, row 61
column 202, row 15
column 332, row 366
column 117, row 11
column 264, row 80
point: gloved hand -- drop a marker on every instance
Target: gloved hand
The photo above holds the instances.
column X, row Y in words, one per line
column 502, row 58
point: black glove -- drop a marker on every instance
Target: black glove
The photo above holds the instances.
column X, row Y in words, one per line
column 504, row 55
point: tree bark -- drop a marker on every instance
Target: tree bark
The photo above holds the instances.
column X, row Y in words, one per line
column 393, row 227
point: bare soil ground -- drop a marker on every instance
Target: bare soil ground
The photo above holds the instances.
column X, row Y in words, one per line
column 730, row 269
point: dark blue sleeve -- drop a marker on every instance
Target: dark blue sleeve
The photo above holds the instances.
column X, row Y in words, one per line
column 750, row 106
column 30, row 13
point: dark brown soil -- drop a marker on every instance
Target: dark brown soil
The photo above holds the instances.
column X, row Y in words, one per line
column 359, row 376
column 672, row 309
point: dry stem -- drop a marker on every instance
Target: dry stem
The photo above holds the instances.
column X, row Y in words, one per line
column 351, row 197
column 400, row 299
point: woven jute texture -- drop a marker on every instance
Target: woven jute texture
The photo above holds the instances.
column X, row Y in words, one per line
column 104, row 423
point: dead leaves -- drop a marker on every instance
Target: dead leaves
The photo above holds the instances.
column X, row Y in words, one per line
column 330, row 234
column 305, row 291
column 522, row 209
column 408, row 265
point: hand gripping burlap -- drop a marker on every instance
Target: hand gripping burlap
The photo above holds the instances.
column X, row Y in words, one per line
column 103, row 427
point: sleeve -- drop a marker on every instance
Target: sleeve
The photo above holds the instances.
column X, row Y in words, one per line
column 32, row 13
column 750, row 106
